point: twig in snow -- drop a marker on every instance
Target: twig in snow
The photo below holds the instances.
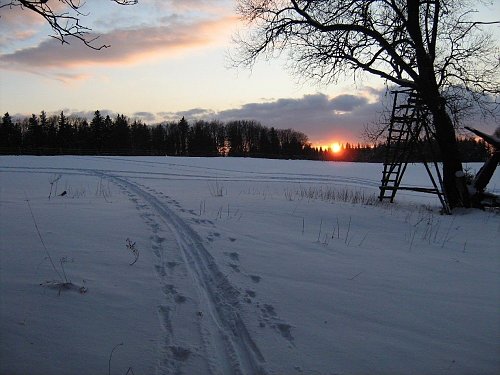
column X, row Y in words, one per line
column 412, row 238
column 53, row 180
column 325, row 239
column 111, row 356
column 135, row 251
column 363, row 240
column 348, row 229
column 446, row 237
column 42, row 242
column 352, row 278
column 319, row 233
column 62, row 261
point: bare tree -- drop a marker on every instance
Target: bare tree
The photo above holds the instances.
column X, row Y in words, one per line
column 64, row 17
column 430, row 46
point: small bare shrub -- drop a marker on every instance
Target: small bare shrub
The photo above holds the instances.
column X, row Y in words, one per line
column 289, row 195
column 334, row 194
column 103, row 190
column 216, row 189
column 54, row 179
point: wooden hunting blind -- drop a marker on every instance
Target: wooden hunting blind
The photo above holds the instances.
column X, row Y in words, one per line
column 408, row 134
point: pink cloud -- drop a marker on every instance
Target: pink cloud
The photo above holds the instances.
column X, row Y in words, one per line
column 12, row 31
column 12, row 15
column 128, row 46
column 205, row 6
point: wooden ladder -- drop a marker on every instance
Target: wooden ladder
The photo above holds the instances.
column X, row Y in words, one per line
column 400, row 140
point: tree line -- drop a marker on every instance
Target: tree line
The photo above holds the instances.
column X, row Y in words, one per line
column 103, row 135
column 52, row 135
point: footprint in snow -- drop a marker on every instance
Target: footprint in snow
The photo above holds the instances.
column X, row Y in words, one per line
column 164, row 312
column 172, row 265
column 169, row 289
column 256, row 279
column 211, row 236
column 285, row 331
column 235, row 267
column 268, row 310
column 157, row 239
column 180, row 354
column 234, row 256
column 161, row 271
column 251, row 293
column 179, row 298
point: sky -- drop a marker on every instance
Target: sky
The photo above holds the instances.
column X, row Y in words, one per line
column 168, row 59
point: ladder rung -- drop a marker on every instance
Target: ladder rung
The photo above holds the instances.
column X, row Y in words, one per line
column 386, row 197
column 386, row 176
column 387, row 172
column 402, row 118
column 400, row 130
column 390, row 172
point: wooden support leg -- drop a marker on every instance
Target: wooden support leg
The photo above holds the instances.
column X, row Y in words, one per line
column 484, row 175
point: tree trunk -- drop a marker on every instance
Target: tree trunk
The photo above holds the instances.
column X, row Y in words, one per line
column 455, row 186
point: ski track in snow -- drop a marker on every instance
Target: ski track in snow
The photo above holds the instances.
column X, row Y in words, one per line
column 228, row 345
column 231, row 176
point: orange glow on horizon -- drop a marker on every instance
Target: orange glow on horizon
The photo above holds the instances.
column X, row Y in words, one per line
column 334, row 147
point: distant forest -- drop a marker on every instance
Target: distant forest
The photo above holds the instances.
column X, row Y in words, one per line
column 62, row 135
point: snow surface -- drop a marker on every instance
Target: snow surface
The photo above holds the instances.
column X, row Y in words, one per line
column 246, row 266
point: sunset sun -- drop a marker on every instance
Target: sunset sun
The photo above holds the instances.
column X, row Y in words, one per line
column 336, row 148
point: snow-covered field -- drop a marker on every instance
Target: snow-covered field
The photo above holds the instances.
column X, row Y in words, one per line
column 246, row 266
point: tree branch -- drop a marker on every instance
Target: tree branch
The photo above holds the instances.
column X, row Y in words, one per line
column 361, row 30
column 64, row 25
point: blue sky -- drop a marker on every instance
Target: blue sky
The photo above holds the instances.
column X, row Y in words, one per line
column 168, row 59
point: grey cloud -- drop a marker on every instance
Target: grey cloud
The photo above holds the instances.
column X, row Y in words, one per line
column 315, row 115
column 318, row 116
column 191, row 114
column 144, row 116
column 347, row 103
column 89, row 115
column 196, row 113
